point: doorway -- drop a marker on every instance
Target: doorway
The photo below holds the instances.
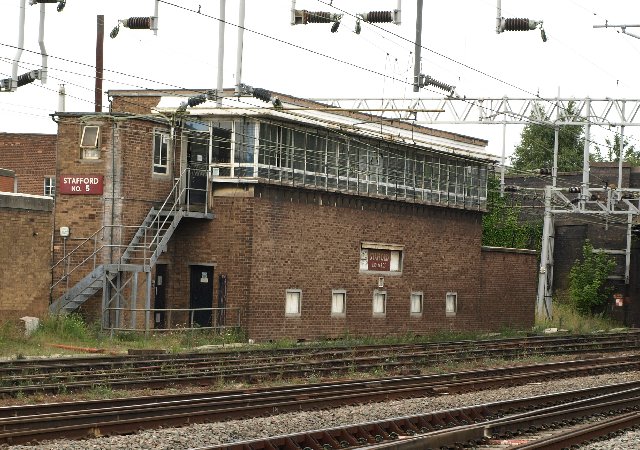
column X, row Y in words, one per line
column 160, row 302
column 198, row 162
column 201, row 294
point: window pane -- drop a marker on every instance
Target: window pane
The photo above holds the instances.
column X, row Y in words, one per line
column 395, row 261
column 379, row 302
column 416, row 303
column 338, row 303
column 293, row 303
column 90, row 136
column 451, row 303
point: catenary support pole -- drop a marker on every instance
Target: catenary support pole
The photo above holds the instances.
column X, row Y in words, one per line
column 241, row 15
column 43, row 50
column 545, row 275
column 503, row 157
column 556, row 143
column 499, row 17
column 221, row 25
column 418, row 47
column 621, row 152
column 99, row 62
column 585, row 156
column 16, row 58
column 62, row 98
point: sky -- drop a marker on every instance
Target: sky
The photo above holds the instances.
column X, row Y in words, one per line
column 460, row 47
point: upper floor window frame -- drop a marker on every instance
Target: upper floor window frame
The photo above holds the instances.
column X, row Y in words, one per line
column 160, row 157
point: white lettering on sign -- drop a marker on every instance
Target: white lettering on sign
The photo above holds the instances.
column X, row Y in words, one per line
column 80, row 180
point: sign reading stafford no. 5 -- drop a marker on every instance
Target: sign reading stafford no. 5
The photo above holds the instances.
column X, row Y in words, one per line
column 81, row 184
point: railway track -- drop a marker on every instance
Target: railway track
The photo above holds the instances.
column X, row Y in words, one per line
column 483, row 426
column 25, row 377
column 76, row 420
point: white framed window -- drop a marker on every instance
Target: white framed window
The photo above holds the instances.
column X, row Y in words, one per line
column 385, row 258
column 379, row 303
column 451, row 304
column 160, row 152
column 415, row 306
column 293, row 303
column 49, row 186
column 89, row 142
column 338, row 302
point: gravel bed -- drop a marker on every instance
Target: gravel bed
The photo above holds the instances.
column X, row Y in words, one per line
column 198, row 435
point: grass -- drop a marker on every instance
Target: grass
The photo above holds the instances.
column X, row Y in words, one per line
column 71, row 330
column 565, row 317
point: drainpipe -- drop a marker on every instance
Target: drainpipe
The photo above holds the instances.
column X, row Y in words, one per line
column 43, row 50
column 16, row 59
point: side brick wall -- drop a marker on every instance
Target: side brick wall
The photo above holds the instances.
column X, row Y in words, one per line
column 31, row 156
column 509, row 286
column 25, row 243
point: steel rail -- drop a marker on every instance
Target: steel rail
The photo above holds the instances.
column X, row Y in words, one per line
column 210, row 376
column 464, row 427
column 412, row 356
column 22, row 424
column 584, row 433
column 96, row 361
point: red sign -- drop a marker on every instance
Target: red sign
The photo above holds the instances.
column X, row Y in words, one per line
column 81, row 184
column 379, row 260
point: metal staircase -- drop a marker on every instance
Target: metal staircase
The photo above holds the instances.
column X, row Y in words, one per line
column 98, row 263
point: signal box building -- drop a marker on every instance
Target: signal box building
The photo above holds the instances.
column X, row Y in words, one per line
column 297, row 221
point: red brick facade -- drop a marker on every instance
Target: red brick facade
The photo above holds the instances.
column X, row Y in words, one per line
column 266, row 239
column 31, row 156
column 25, row 243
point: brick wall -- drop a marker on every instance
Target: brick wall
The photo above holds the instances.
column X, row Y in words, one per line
column 25, row 247
column 31, row 156
column 267, row 239
column 7, row 180
column 508, row 288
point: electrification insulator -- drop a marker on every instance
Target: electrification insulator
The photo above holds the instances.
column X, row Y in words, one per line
column 197, row 100
column 378, row 16
column 262, row 94
column 27, row 78
column 137, row 23
column 428, row 81
column 511, row 188
column 335, row 27
column 317, row 17
column 574, row 190
column 519, row 24
column 544, row 171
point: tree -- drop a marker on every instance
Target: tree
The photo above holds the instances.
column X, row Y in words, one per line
column 501, row 226
column 535, row 150
column 587, row 281
column 612, row 152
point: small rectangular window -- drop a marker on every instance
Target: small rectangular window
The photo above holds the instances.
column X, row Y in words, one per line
column 416, row 304
column 379, row 303
column 451, row 307
column 338, row 302
column 49, row 186
column 293, row 303
column 160, row 153
column 89, row 142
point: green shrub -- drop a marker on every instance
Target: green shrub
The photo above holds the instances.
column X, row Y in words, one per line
column 65, row 326
column 588, row 290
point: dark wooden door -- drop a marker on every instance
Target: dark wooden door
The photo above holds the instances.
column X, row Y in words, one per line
column 201, row 294
column 160, row 302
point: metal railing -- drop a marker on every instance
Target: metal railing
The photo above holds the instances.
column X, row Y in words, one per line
column 93, row 251
column 176, row 319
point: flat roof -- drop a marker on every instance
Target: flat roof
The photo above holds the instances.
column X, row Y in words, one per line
column 310, row 112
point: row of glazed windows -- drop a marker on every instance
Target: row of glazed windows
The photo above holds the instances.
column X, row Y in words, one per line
column 293, row 303
column 327, row 159
column 323, row 159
